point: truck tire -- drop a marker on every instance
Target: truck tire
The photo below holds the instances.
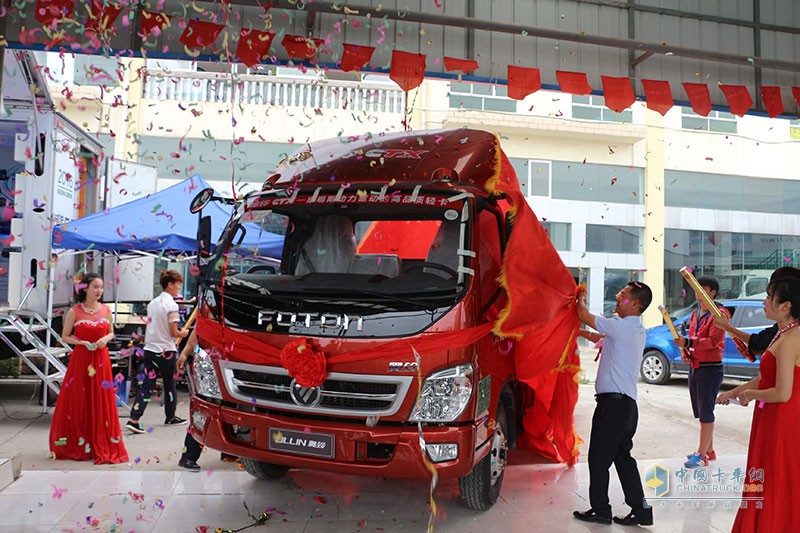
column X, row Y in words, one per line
column 655, row 368
column 262, row 470
column 481, row 487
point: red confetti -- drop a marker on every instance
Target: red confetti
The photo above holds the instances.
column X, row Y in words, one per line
column 319, row 499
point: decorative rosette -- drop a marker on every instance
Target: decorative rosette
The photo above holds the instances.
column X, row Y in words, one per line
column 304, row 363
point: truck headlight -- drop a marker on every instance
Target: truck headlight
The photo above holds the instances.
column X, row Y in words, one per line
column 205, row 377
column 444, row 395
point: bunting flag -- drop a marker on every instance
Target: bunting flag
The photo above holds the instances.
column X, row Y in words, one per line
column 739, row 99
column 153, row 23
column 407, row 70
column 618, row 93
column 796, row 94
column 51, row 12
column 355, row 57
column 523, row 81
column 658, row 94
column 299, row 47
column 101, row 17
column 773, row 103
column 461, row 65
column 699, row 97
column 573, row 82
column 253, row 46
column 199, row 34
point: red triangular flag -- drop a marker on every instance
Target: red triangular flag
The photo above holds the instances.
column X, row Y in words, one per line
column 659, row 95
column 153, row 22
column 101, row 17
column 355, row 57
column 199, row 34
column 408, row 70
column 796, row 94
column 699, row 97
column 299, row 47
column 573, row 82
column 253, row 46
column 773, row 102
column 462, row 65
column 51, row 12
column 618, row 93
column 739, row 99
column 523, row 81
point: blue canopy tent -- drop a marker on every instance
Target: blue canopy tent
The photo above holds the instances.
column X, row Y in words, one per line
column 159, row 221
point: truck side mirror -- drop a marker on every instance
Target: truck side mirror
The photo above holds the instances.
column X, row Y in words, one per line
column 204, row 237
column 201, row 200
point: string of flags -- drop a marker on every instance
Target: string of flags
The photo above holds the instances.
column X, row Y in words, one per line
column 407, row 69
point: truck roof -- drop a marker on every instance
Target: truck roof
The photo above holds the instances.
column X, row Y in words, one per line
column 467, row 157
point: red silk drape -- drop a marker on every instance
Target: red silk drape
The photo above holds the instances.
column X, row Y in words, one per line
column 523, row 81
column 658, row 94
column 618, row 93
column 253, row 46
column 699, row 98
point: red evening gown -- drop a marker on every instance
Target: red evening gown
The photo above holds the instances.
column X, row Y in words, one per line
column 86, row 423
column 774, row 439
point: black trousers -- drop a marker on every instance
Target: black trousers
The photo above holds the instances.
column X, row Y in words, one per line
column 613, row 426
column 191, row 448
column 156, row 364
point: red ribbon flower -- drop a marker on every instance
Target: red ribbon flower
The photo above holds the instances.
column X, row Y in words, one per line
column 304, row 363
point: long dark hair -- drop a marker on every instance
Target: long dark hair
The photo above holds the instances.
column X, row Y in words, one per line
column 786, row 289
column 84, row 284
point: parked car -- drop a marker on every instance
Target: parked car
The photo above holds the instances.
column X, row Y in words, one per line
column 662, row 358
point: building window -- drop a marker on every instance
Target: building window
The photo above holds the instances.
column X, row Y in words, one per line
column 594, row 108
column 533, row 175
column 720, row 121
column 613, row 239
column 597, row 183
column 614, row 280
column 559, row 234
column 481, row 96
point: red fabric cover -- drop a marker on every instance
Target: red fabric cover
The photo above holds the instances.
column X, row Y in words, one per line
column 573, row 82
column 699, row 97
column 152, row 22
column 739, row 99
column 462, row 65
column 50, row 12
column 409, row 239
column 545, row 356
column 101, row 17
column 85, row 423
column 199, row 34
column 407, row 70
column 618, row 93
column 253, row 46
column 659, row 95
column 773, row 102
column 355, row 57
column 299, row 47
column 523, row 81
column 796, row 94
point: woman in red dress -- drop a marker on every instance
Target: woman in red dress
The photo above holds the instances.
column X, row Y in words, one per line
column 85, row 423
column 771, row 494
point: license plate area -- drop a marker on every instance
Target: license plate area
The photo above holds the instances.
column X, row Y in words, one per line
column 301, row 443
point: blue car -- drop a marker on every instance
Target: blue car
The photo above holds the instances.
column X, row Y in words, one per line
column 662, row 357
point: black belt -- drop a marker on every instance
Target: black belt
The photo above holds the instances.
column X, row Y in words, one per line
column 612, row 396
column 710, row 363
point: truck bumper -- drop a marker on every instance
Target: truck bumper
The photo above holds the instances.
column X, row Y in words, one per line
column 386, row 451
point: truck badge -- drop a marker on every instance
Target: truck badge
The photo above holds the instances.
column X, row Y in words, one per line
column 400, row 366
column 305, row 396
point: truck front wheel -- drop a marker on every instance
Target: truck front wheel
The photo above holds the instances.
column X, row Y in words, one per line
column 481, row 487
column 263, row 470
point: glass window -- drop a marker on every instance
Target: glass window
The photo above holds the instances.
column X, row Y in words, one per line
column 613, row 239
column 720, row 121
column 752, row 317
column 597, row 183
column 559, row 234
column 482, row 96
column 594, row 108
column 613, row 281
column 533, row 175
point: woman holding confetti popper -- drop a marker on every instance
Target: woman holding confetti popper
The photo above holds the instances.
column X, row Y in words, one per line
column 85, row 422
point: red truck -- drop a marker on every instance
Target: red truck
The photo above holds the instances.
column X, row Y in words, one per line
column 371, row 337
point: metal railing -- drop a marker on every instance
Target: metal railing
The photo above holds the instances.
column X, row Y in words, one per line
column 280, row 91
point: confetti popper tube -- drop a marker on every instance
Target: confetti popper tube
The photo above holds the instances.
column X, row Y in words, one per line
column 668, row 321
column 698, row 289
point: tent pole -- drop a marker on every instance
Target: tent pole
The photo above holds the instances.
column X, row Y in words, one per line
column 116, row 288
column 51, row 287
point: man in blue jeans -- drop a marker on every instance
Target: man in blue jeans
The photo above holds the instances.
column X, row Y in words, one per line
column 160, row 351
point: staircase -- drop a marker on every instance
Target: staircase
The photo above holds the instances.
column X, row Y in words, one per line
column 27, row 324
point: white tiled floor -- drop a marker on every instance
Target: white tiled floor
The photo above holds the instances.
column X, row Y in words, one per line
column 535, row 497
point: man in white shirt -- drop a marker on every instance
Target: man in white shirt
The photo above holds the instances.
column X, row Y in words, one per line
column 160, row 351
column 616, row 415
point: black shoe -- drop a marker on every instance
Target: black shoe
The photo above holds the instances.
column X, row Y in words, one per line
column 592, row 516
column 175, row 421
column 643, row 517
column 188, row 464
column 134, row 427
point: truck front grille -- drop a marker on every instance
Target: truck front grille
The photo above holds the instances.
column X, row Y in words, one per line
column 343, row 394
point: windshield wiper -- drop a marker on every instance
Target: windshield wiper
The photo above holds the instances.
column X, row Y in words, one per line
column 349, row 291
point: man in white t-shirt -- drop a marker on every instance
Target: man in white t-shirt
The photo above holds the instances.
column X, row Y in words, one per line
column 160, row 351
column 617, row 415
